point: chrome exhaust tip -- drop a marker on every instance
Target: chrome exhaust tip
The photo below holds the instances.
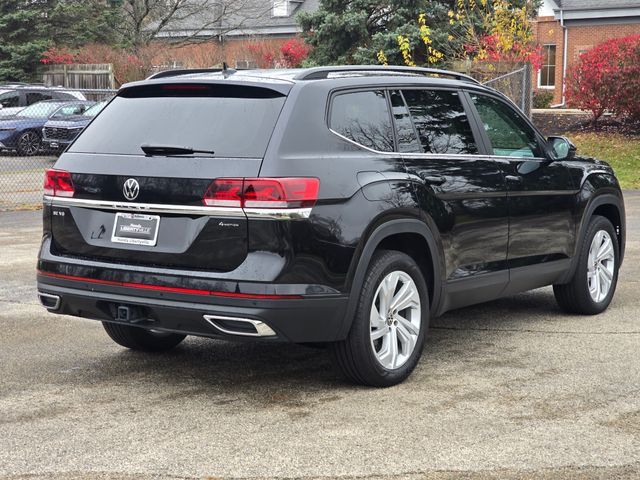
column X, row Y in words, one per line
column 240, row 326
column 48, row 301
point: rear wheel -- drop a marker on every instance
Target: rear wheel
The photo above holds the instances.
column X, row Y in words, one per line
column 591, row 289
column 137, row 338
column 388, row 331
column 29, row 143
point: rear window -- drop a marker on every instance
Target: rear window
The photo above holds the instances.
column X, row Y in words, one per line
column 232, row 122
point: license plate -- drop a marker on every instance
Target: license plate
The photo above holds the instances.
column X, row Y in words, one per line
column 135, row 229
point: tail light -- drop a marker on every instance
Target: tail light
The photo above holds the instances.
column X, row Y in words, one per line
column 58, row 183
column 292, row 192
column 224, row 192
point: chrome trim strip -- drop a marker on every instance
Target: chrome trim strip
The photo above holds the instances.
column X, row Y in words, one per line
column 56, row 305
column 278, row 213
column 255, row 213
column 262, row 329
column 142, row 207
column 443, row 156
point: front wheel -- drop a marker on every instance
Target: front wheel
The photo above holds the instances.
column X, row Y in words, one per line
column 591, row 289
column 29, row 143
column 387, row 335
column 137, row 338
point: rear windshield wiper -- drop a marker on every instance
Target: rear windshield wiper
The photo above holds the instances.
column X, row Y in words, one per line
column 152, row 150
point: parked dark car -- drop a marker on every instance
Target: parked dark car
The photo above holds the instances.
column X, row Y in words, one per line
column 337, row 205
column 15, row 97
column 58, row 133
column 23, row 132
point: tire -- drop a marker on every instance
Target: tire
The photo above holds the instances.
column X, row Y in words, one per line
column 28, row 143
column 137, row 338
column 585, row 293
column 366, row 356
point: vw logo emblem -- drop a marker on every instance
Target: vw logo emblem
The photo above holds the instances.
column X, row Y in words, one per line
column 131, row 189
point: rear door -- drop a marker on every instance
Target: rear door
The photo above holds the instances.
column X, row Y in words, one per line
column 460, row 188
column 144, row 209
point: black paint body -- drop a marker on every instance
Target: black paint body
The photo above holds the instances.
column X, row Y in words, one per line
column 486, row 227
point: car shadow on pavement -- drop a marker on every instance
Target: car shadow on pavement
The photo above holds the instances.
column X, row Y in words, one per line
column 206, row 365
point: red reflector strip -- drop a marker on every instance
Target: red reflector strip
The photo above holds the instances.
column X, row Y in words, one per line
column 160, row 288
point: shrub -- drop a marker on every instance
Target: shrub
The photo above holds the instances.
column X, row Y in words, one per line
column 607, row 78
column 542, row 99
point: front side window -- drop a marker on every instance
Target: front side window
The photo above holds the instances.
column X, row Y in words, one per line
column 9, row 99
column 441, row 122
column 509, row 134
column 548, row 70
column 364, row 118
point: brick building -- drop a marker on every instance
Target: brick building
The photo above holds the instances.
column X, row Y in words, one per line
column 568, row 28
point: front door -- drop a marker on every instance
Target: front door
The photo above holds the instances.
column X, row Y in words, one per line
column 541, row 192
column 461, row 190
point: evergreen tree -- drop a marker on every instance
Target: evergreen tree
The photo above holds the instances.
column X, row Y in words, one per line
column 23, row 38
column 29, row 27
column 355, row 31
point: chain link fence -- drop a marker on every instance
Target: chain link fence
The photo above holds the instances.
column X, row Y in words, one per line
column 36, row 124
column 517, row 86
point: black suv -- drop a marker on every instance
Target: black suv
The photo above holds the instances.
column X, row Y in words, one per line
column 338, row 205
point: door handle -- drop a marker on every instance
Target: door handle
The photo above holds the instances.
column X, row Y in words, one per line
column 434, row 180
column 514, row 179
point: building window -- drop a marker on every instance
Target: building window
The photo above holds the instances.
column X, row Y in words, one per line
column 280, row 8
column 547, row 76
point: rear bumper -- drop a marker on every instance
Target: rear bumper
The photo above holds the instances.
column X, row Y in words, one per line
column 308, row 319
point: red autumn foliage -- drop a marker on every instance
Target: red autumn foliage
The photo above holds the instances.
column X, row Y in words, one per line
column 289, row 54
column 518, row 53
column 607, row 78
column 294, row 51
column 57, row 56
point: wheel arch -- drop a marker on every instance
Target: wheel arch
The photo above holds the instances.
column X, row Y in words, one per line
column 406, row 235
column 610, row 206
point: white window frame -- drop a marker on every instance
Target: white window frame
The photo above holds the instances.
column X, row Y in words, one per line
column 548, row 87
column 281, row 8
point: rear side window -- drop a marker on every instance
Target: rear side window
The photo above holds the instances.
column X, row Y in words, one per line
column 230, row 121
column 35, row 97
column 364, row 118
column 406, row 133
column 441, row 122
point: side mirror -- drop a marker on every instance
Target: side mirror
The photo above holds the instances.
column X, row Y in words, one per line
column 1, row 106
column 561, row 148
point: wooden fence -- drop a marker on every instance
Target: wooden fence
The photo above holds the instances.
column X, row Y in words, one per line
column 80, row 76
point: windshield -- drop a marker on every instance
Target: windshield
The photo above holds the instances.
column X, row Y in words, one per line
column 93, row 111
column 234, row 122
column 39, row 110
column 71, row 110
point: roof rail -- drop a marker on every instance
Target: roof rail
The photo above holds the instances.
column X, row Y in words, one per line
column 187, row 71
column 318, row 73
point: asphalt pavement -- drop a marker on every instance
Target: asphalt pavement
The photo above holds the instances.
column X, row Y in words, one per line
column 509, row 389
column 21, row 180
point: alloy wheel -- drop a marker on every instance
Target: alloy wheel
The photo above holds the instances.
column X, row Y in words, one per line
column 29, row 143
column 601, row 268
column 395, row 320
